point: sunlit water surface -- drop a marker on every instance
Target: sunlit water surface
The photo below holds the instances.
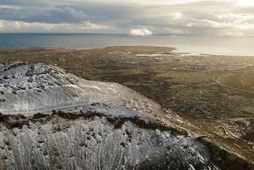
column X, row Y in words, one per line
column 184, row 43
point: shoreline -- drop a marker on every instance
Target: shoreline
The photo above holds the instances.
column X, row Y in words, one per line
column 175, row 50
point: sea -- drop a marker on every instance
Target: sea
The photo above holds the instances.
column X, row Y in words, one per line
column 193, row 44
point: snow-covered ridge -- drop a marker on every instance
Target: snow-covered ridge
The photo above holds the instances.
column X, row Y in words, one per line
column 33, row 138
column 32, row 88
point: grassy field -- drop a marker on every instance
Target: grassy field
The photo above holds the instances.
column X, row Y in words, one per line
column 214, row 94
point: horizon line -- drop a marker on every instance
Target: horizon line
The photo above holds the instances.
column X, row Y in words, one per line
column 125, row 34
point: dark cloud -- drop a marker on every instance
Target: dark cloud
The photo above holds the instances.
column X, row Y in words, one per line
column 162, row 16
column 48, row 15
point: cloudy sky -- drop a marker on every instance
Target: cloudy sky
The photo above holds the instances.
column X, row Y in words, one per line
column 138, row 17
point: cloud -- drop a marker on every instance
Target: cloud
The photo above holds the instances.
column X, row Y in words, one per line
column 1, row 26
column 211, row 17
column 140, row 32
column 20, row 26
column 89, row 25
column 245, row 3
column 9, row 7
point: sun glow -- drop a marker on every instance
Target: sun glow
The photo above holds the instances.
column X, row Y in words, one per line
column 246, row 2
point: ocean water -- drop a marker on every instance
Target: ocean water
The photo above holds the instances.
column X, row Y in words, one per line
column 184, row 43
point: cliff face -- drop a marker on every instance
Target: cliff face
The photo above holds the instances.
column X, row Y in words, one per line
column 54, row 120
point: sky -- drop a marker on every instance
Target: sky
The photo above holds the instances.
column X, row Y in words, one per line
column 136, row 17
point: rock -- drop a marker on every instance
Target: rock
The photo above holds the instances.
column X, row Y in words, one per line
column 51, row 89
column 82, row 124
